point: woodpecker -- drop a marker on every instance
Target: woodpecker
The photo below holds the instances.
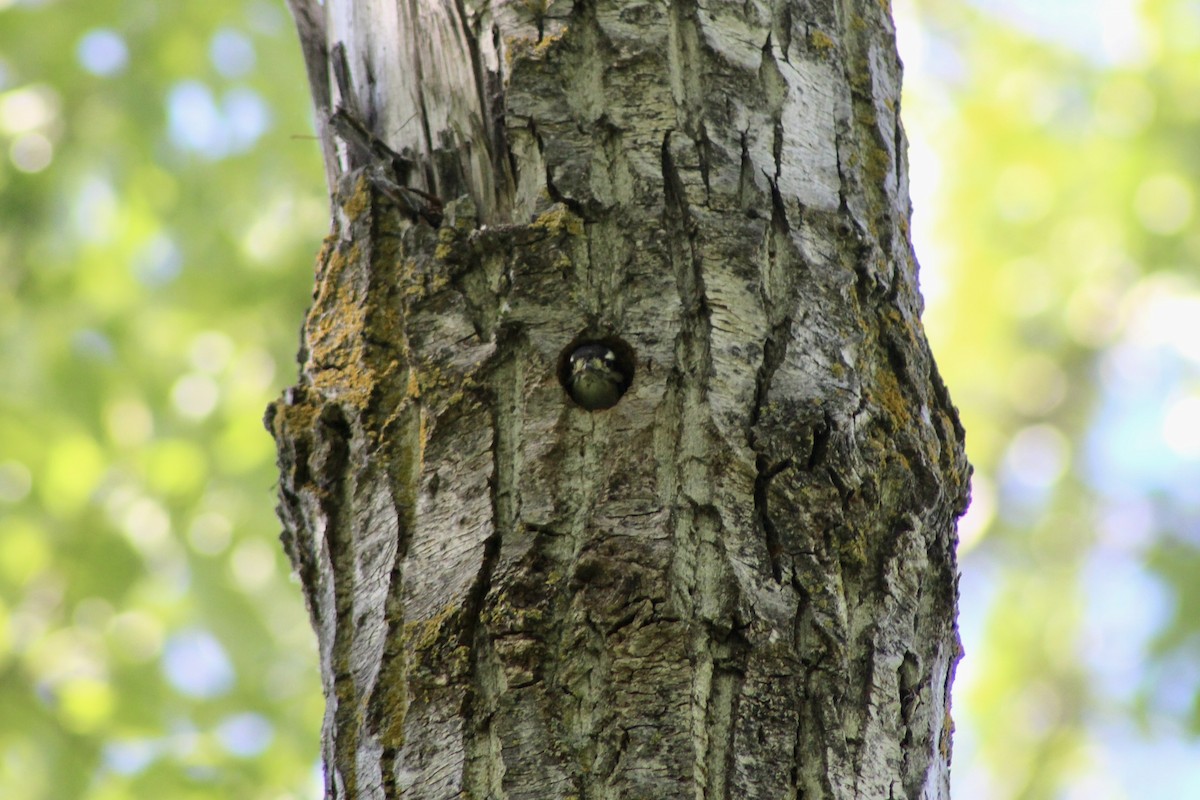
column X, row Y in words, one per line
column 595, row 382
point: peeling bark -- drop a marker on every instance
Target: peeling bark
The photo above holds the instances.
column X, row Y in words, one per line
column 740, row 581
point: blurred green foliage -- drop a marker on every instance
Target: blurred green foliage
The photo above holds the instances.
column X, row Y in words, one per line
column 1064, row 310
column 160, row 204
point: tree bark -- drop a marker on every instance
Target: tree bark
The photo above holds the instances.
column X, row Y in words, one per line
column 740, row 581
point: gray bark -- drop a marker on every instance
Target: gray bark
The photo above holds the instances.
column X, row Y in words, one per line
column 740, row 581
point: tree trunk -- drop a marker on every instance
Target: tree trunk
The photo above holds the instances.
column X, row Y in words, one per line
column 739, row 581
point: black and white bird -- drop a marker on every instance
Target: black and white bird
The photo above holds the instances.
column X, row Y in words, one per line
column 595, row 381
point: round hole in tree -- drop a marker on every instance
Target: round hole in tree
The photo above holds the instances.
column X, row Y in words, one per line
column 596, row 371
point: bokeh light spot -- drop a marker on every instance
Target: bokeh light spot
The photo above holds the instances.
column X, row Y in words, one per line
column 130, row 756
column 31, row 152
column 158, row 261
column 1126, row 525
column 210, row 351
column 1038, row 456
column 193, row 121
column 253, row 564
column 1093, row 313
column 246, row 117
column 147, row 525
column 253, row 372
column 129, row 422
column 196, row 122
column 92, row 345
column 210, row 533
column 1181, row 426
column 196, row 665
column 1037, row 385
column 245, row 735
column 73, row 466
column 28, row 109
column 195, row 396
column 85, row 703
column 102, row 52
column 176, row 467
column 95, row 209
column 24, row 551
column 1166, row 312
column 136, row 636
column 232, row 53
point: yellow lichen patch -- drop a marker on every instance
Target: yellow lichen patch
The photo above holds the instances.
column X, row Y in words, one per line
column 328, row 246
column 422, row 439
column 889, row 395
column 335, row 322
column 425, row 634
column 433, row 642
column 449, row 241
column 515, row 47
column 440, row 389
column 334, row 331
column 947, row 735
column 853, row 550
column 860, row 82
column 417, row 284
column 821, row 42
column 512, row 618
column 878, row 166
column 559, row 219
column 394, row 697
column 548, row 42
column 294, row 420
column 359, row 201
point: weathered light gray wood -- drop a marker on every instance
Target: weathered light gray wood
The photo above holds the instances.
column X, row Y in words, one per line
column 740, row 581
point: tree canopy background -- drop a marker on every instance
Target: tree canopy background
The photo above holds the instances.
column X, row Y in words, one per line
column 160, row 206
